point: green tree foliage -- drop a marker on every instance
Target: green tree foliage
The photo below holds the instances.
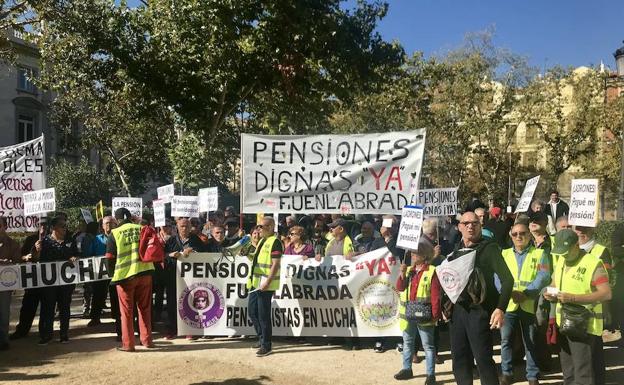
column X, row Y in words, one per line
column 78, row 185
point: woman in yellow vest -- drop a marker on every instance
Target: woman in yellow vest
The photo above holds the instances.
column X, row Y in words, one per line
column 419, row 283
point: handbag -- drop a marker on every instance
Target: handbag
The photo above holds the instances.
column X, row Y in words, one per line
column 417, row 311
column 574, row 318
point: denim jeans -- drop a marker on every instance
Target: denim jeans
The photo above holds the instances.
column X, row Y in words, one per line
column 259, row 305
column 427, row 340
column 528, row 327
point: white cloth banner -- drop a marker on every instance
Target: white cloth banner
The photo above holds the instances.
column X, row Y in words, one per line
column 39, row 202
column 185, row 206
column 358, row 173
column 23, row 169
column 166, row 193
column 527, row 194
column 34, row 275
column 584, row 203
column 410, row 228
column 454, row 275
column 334, row 297
column 159, row 213
column 208, row 199
column 134, row 205
column 439, row 202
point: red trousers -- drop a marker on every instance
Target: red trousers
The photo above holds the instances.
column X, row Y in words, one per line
column 135, row 290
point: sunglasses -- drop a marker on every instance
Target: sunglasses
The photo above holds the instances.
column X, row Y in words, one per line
column 519, row 234
column 467, row 223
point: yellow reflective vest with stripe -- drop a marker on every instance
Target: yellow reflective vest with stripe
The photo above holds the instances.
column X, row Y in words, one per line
column 347, row 246
column 262, row 268
column 128, row 262
column 524, row 277
column 577, row 280
column 423, row 294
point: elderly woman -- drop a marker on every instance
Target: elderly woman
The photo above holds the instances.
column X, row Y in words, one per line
column 298, row 244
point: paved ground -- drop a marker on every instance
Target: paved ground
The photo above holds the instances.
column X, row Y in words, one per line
column 91, row 358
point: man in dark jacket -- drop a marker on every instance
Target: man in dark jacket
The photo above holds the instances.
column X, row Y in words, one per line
column 556, row 208
column 476, row 314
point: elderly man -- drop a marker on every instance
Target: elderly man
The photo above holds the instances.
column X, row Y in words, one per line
column 263, row 281
column 530, row 269
column 365, row 239
column 580, row 279
column 9, row 254
column 479, row 308
column 341, row 243
column 217, row 239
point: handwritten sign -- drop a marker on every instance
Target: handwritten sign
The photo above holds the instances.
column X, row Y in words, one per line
column 208, row 199
column 86, row 215
column 39, row 202
column 134, row 205
column 185, row 206
column 439, row 202
column 584, row 203
column 527, row 194
column 159, row 213
column 165, row 193
column 410, row 228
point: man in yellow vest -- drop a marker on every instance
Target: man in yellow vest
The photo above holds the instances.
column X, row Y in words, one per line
column 262, row 283
column 531, row 272
column 133, row 279
column 579, row 278
column 341, row 243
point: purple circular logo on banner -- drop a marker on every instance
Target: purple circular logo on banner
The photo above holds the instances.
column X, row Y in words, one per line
column 201, row 305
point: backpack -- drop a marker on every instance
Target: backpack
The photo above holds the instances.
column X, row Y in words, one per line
column 151, row 247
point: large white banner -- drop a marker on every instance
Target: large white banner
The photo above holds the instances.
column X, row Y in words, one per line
column 33, row 275
column 357, row 173
column 584, row 203
column 22, row 169
column 527, row 195
column 334, row 297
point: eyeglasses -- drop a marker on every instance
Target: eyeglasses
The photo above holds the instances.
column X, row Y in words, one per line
column 293, row 233
column 519, row 234
column 468, row 223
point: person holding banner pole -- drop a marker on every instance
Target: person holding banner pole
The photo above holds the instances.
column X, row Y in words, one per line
column 9, row 254
column 263, row 281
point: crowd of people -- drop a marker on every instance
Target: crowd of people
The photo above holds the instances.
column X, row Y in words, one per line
column 546, row 286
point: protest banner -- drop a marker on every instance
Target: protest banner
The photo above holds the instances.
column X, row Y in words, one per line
column 185, row 206
column 356, row 174
column 410, row 228
column 35, row 275
column 39, row 202
column 166, row 193
column 208, row 199
column 584, row 203
column 23, row 170
column 333, row 298
column 439, row 202
column 134, row 205
column 527, row 195
column 86, row 215
column 454, row 275
column 159, row 213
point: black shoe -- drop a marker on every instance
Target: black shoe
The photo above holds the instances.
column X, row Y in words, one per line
column 404, row 374
column 17, row 336
column 256, row 346
column 439, row 360
column 263, row 352
column 506, row 379
column 379, row 347
column 431, row 380
column 94, row 322
column 64, row 340
column 43, row 342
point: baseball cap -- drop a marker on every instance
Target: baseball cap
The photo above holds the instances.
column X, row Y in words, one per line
column 495, row 211
column 538, row 217
column 338, row 222
column 564, row 240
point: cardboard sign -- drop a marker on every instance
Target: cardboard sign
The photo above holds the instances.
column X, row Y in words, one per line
column 86, row 215
column 166, row 193
column 410, row 228
column 527, row 195
column 584, row 203
column 159, row 213
column 134, row 205
column 208, row 199
column 185, row 206
column 39, row 202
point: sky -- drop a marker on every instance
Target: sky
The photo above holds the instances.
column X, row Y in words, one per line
column 548, row 32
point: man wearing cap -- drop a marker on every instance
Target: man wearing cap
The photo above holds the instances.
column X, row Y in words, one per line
column 232, row 231
column 579, row 278
column 479, row 308
column 341, row 243
column 531, row 272
column 538, row 225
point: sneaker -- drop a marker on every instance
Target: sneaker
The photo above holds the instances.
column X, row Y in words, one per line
column 94, row 322
column 404, row 374
column 431, row 380
column 399, row 347
column 43, row 342
column 263, row 352
column 378, row 347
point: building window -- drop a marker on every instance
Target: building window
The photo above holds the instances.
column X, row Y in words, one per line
column 530, row 159
column 25, row 128
column 532, row 133
column 25, row 79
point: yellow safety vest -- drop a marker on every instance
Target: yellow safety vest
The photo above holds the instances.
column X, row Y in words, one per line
column 522, row 279
column 128, row 262
column 263, row 266
column 347, row 246
column 577, row 280
column 423, row 294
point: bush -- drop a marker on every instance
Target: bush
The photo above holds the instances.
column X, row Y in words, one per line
column 605, row 230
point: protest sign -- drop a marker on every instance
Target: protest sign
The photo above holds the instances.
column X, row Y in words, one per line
column 208, row 199
column 35, row 275
column 356, row 174
column 39, row 202
column 166, row 193
column 454, row 275
column 134, row 205
column 23, row 169
column 584, row 203
column 159, row 213
column 185, row 206
column 86, row 215
column 99, row 210
column 439, row 202
column 527, row 195
column 409, row 230
column 333, row 298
